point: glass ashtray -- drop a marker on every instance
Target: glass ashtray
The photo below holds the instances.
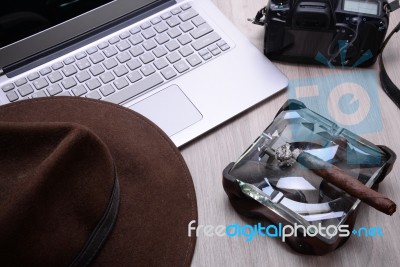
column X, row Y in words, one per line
column 285, row 192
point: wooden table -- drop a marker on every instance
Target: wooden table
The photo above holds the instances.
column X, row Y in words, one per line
column 208, row 155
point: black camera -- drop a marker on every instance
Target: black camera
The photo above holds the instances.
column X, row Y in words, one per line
column 332, row 32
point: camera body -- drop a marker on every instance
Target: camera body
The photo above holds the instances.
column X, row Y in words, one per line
column 332, row 32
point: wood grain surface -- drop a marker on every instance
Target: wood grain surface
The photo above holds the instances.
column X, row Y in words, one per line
column 208, row 155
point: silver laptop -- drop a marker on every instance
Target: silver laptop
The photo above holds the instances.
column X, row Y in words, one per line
column 182, row 64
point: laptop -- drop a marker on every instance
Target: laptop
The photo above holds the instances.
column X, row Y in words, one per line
column 181, row 64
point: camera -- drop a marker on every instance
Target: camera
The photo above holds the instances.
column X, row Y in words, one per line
column 332, row 32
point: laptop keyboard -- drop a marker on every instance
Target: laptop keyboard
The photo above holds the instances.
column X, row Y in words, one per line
column 128, row 63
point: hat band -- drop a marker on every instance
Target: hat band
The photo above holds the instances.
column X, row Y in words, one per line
column 102, row 229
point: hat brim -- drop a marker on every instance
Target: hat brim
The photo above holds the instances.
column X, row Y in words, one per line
column 157, row 199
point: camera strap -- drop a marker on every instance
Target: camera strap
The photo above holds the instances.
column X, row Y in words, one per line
column 387, row 84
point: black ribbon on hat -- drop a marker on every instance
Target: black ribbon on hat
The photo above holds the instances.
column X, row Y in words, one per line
column 102, row 230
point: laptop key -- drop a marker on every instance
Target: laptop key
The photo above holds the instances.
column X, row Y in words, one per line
column 110, row 51
column 186, row 51
column 198, row 21
column 166, row 15
column 38, row 94
column 94, row 95
column 172, row 45
column 225, row 47
column 156, row 20
column 68, row 83
column 107, row 90
column 149, row 44
column 186, row 26
column 124, row 35
column 33, row 76
column 40, row 83
column 145, row 25
column 134, row 76
column 54, row 89
column 136, row 51
column 159, row 51
column 172, row 22
column 173, row 57
column 134, row 30
column 161, row 27
column 184, row 39
column 12, row 96
column 206, row 41
column 148, row 33
column 80, row 55
column 201, row 31
column 206, row 56
column 168, row 73
column 136, row 39
column 176, row 11
column 114, row 40
column 134, row 64
column 123, row 45
column 121, row 83
column 57, row 66
column 107, row 77
column 216, row 52
column 69, row 60
column 212, row 47
column 120, row 70
column 102, row 45
column 135, row 89
column 82, row 76
column 45, row 71
column 194, row 60
column 181, row 66
column 91, row 50
column 221, row 43
column 147, row 70
column 25, row 90
column 174, row 32
column 123, row 57
column 147, row 57
column 55, row 77
column 160, row 63
column 21, row 81
column 93, row 84
column 96, row 58
column 110, row 63
column 7, row 87
column 186, row 6
column 188, row 14
column 79, row 90
column 69, row 70
column 161, row 38
column 83, row 64
column 96, row 70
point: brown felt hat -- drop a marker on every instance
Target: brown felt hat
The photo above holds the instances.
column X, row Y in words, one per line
column 89, row 182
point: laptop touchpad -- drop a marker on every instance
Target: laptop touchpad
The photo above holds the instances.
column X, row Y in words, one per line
column 170, row 109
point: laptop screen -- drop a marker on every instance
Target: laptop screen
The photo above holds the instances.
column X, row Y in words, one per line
column 28, row 27
column 22, row 18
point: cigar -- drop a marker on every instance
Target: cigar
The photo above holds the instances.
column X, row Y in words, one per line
column 344, row 181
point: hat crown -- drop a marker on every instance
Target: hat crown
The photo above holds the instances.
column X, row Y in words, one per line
column 55, row 183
